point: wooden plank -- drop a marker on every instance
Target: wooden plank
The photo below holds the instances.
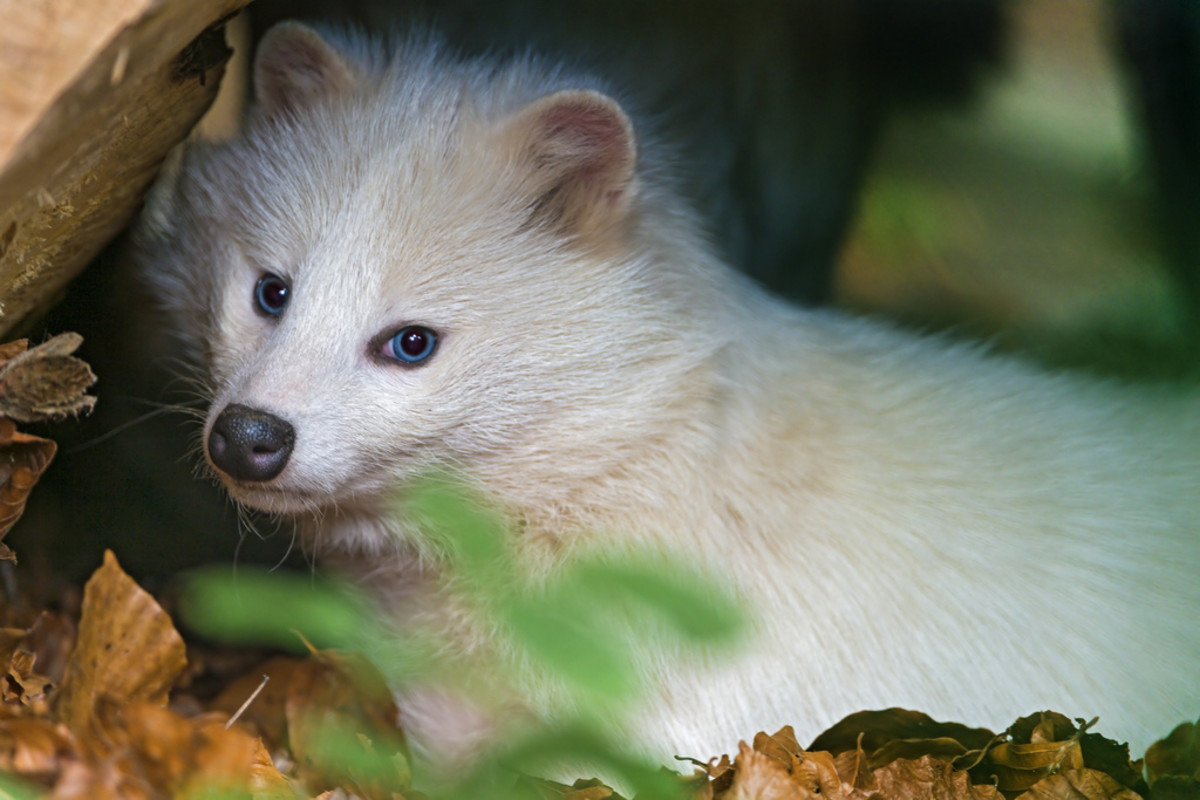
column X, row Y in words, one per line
column 44, row 46
column 96, row 93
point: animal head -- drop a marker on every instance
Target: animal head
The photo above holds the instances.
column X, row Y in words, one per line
column 407, row 260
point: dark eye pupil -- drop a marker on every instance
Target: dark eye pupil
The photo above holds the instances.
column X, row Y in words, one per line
column 413, row 342
column 272, row 294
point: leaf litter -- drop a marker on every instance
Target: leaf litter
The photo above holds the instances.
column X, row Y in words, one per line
column 38, row 383
column 115, row 720
column 103, row 706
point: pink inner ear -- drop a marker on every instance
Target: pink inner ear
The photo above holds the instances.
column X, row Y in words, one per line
column 296, row 62
column 295, row 65
column 592, row 137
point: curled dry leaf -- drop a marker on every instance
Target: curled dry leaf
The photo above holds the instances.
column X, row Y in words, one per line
column 33, row 748
column 1018, row 766
column 541, row 789
column 224, row 755
column 1079, row 784
column 266, row 781
column 899, row 733
column 341, row 700
column 23, row 459
column 127, row 649
column 928, row 777
column 266, row 715
column 51, row 640
column 328, row 697
column 720, row 771
column 815, row 772
column 159, row 753
column 759, row 776
column 1173, row 763
column 23, row 688
column 44, row 382
column 1044, row 744
column 103, row 781
column 777, row 769
column 219, row 759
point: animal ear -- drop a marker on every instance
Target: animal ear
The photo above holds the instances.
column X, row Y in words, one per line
column 294, row 66
column 159, row 205
column 580, row 151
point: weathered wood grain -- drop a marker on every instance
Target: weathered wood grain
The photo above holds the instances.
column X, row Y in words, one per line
column 93, row 94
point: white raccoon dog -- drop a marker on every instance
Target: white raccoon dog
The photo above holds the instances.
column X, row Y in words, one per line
column 407, row 260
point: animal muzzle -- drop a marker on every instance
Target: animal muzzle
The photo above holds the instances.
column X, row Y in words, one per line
column 249, row 444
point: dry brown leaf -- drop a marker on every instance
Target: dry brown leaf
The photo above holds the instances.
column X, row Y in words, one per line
column 44, row 382
column 10, row 350
column 758, row 776
column 720, row 773
column 169, row 755
column 542, row 789
column 224, row 759
column 1043, row 726
column 267, row 713
column 127, row 649
column 342, row 696
column 1173, row 763
column 266, row 781
column 853, row 769
column 1047, row 743
column 148, row 740
column 776, row 766
column 51, row 640
column 927, row 778
column 781, row 746
column 34, row 748
column 24, row 688
column 1079, row 784
column 1094, row 752
column 1017, row 766
column 103, row 781
column 899, row 733
column 814, row 771
column 23, row 459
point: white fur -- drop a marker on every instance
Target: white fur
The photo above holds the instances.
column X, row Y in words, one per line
column 913, row 522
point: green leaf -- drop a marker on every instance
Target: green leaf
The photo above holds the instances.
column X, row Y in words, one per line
column 266, row 608
column 473, row 537
column 571, row 744
column 574, row 645
column 369, row 759
column 13, row 788
column 689, row 605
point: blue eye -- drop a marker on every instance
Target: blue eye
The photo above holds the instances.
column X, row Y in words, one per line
column 271, row 294
column 412, row 345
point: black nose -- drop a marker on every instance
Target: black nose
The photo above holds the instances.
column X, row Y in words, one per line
column 250, row 445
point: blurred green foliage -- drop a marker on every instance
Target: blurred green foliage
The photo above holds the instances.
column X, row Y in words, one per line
column 581, row 627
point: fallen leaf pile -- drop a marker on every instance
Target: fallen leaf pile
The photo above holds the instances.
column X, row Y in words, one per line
column 39, row 383
column 102, row 722
column 102, row 710
column 904, row 754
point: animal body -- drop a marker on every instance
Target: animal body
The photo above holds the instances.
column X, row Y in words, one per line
column 408, row 260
